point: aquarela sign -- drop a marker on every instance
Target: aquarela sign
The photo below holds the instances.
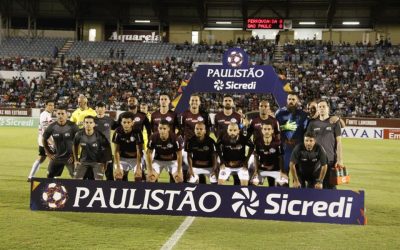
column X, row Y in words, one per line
column 235, row 75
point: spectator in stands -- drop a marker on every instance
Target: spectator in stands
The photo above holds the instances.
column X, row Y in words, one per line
column 55, row 52
column 111, row 53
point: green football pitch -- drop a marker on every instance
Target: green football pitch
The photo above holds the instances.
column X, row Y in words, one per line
column 374, row 166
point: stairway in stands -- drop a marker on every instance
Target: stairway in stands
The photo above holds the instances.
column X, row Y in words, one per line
column 278, row 53
column 63, row 51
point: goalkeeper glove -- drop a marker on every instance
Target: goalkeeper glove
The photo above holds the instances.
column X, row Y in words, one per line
column 291, row 126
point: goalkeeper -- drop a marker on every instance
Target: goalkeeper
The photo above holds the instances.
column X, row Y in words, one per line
column 293, row 124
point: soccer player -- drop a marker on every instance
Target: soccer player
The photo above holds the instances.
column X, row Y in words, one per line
column 104, row 124
column 128, row 149
column 263, row 117
column 268, row 157
column 187, row 121
column 255, row 128
column 201, row 155
column 144, row 108
column 141, row 124
column 140, row 119
column 78, row 116
column 308, row 163
column 44, row 121
column 293, row 123
column 167, row 149
column 164, row 113
column 92, row 144
column 189, row 118
column 82, row 111
column 225, row 117
column 312, row 110
column 328, row 135
column 231, row 149
column 63, row 133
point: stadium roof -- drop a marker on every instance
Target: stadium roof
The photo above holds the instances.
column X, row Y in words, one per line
column 325, row 13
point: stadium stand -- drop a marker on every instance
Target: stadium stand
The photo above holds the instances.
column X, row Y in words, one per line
column 257, row 50
column 27, row 47
column 359, row 80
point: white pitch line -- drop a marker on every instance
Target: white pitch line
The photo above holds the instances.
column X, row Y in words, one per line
column 178, row 233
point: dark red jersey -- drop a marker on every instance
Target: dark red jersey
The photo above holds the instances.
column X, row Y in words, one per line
column 165, row 150
column 268, row 155
column 233, row 152
column 188, row 121
column 127, row 142
column 256, row 126
column 201, row 151
column 222, row 122
column 171, row 117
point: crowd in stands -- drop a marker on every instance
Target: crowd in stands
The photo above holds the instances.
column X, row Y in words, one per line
column 257, row 49
column 358, row 80
column 26, row 64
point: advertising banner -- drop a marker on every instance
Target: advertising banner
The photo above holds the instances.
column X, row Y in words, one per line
column 140, row 36
column 27, row 75
column 15, row 112
column 362, row 132
column 233, row 76
column 372, row 122
column 262, row 203
column 19, row 122
column 391, row 134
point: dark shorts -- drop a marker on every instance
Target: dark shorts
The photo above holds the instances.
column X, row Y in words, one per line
column 308, row 178
column 42, row 152
column 56, row 167
column 97, row 169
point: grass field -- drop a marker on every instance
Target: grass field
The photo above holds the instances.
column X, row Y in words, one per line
column 374, row 166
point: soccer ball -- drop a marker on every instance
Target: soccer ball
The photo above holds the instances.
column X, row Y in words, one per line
column 235, row 59
column 55, row 196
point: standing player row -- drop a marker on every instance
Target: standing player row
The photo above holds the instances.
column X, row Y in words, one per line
column 168, row 133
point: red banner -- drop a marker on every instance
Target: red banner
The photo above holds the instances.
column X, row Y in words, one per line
column 391, row 134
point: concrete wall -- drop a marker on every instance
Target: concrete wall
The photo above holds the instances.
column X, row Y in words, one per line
column 179, row 33
column 210, row 36
column 390, row 31
column 352, row 36
column 43, row 33
column 99, row 26
column 286, row 36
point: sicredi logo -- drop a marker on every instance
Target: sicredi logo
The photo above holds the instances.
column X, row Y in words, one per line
column 219, row 85
column 246, row 204
column 229, row 85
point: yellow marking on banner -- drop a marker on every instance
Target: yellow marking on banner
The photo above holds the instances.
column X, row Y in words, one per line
column 35, row 185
